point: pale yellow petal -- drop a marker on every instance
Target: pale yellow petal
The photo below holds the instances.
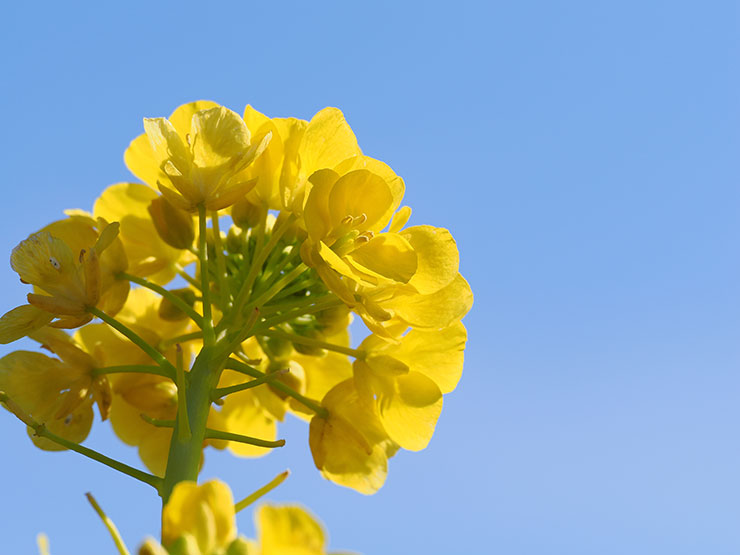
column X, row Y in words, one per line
column 410, row 413
column 437, row 310
column 21, row 321
column 438, row 258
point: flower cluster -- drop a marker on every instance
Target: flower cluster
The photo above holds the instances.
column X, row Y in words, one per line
column 209, row 337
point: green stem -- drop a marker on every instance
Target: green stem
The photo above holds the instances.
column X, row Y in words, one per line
column 228, row 436
column 298, row 286
column 174, row 299
column 324, row 303
column 295, row 338
column 156, row 422
column 181, row 339
column 112, row 530
column 183, row 460
column 292, row 304
column 224, row 391
column 40, row 430
column 278, row 285
column 131, row 369
column 239, row 366
column 256, row 265
column 267, row 488
column 209, row 337
column 187, row 277
column 183, row 426
column 220, row 262
column 155, row 355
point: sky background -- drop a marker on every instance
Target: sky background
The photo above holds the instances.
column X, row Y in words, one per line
column 585, row 157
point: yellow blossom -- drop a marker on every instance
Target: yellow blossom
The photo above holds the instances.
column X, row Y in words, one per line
column 58, row 393
column 406, row 380
column 205, row 512
column 350, row 446
column 148, row 254
column 197, row 157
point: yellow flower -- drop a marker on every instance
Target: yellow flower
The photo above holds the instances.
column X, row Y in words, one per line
column 204, row 512
column 58, row 393
column 148, row 255
column 288, row 530
column 73, row 267
column 350, row 446
column 344, row 216
column 135, row 394
column 406, row 380
column 198, row 156
column 298, row 149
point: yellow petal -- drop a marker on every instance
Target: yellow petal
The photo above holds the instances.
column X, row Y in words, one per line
column 182, row 117
column 359, row 193
column 217, row 135
column 166, row 143
column 438, row 354
column 316, row 211
column 437, row 255
column 154, row 449
column 389, row 256
column 288, row 530
column 399, row 219
column 410, row 413
column 206, row 512
column 328, row 140
column 73, row 427
column 349, row 447
column 21, row 321
column 142, row 161
column 438, row 310
column 148, row 254
column 46, row 261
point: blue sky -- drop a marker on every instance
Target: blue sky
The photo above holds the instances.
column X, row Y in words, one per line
column 585, row 157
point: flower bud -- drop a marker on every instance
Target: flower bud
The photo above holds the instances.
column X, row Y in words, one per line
column 275, row 348
column 175, row 226
column 172, row 313
column 246, row 215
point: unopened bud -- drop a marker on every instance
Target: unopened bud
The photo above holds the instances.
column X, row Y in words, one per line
column 240, row 546
column 171, row 312
column 246, row 215
column 174, row 226
column 334, row 320
column 275, row 348
column 310, row 350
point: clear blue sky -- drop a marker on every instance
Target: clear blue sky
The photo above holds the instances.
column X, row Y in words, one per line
column 585, row 157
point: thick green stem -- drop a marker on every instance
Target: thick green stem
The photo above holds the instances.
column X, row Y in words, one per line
column 184, row 456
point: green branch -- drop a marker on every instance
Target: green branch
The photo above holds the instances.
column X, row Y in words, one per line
column 239, row 366
column 228, row 436
column 267, row 488
column 209, row 337
column 267, row 378
column 40, row 430
column 174, row 299
column 153, row 353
